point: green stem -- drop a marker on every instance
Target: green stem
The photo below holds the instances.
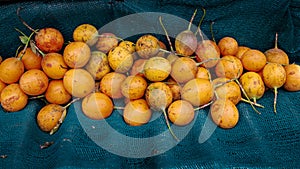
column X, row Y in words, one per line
column 207, row 60
column 211, row 31
column 191, row 21
column 37, row 97
column 200, row 23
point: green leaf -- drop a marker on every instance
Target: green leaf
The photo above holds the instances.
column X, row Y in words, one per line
column 24, row 39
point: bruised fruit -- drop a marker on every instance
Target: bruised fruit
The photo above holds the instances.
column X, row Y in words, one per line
column 49, row 40
column 208, row 49
column 253, row 85
column 48, row 117
column 86, row 33
column 13, row 98
column 98, row 65
column 106, row 42
column 158, row 96
column 120, row 59
column 228, row 46
column 230, row 67
column 56, row 93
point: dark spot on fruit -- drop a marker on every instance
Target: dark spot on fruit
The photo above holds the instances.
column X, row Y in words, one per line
column 49, row 65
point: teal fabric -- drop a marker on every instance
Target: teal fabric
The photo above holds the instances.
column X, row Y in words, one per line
column 258, row 141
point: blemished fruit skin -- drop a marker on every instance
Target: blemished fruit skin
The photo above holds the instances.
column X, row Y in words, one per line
column 253, row 85
column 224, row 113
column 137, row 112
column 181, row 112
column 34, row 82
column 48, row 117
column 253, row 60
column 292, row 78
column 49, row 40
column 13, row 98
column 7, row 65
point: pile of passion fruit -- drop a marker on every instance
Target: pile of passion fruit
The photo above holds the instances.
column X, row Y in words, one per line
column 99, row 68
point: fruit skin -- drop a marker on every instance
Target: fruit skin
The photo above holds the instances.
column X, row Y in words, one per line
column 158, row 96
column 183, row 69
column 56, row 93
column 97, row 106
column 276, row 55
column 85, row 33
column 228, row 46
column 133, row 87
column 229, row 66
column 110, row 84
column 198, row 92
column 274, row 75
column 292, row 78
column 78, row 82
column 54, row 66
column 253, row 60
column 120, row 59
column 186, row 43
column 224, row 114
column 157, row 69
column 6, row 74
column 98, row 65
column 106, row 42
column 76, row 54
column 49, row 40
column 48, row 117
column 253, row 85
column 13, row 98
column 230, row 90
column 34, row 82
column 2, row 86
column 30, row 59
column 147, row 46
column 241, row 51
column 137, row 112
column 208, row 49
column 181, row 112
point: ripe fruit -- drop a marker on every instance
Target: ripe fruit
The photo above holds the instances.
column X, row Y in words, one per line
column 54, row 66
column 157, row 69
column 56, row 93
column 6, row 74
column 97, row 106
column 48, row 117
column 76, row 54
column 137, row 112
column 49, row 40
column 292, row 77
column 13, row 98
column 181, row 112
column 254, row 60
column 106, row 42
column 85, row 33
column 30, row 59
column 133, row 87
column 228, row 46
column 34, row 82
column 110, row 84
column 147, row 46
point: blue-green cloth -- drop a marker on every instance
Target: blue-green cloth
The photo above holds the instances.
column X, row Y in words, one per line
column 258, row 141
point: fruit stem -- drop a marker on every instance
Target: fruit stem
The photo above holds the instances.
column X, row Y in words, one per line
column 207, row 60
column 26, row 45
column 71, row 102
column 24, row 23
column 191, row 21
column 119, row 108
column 254, row 103
column 205, row 105
column 276, row 40
column 166, row 33
column 37, row 97
column 275, row 99
column 168, row 124
column 200, row 23
column 223, row 83
column 244, row 92
column 212, row 32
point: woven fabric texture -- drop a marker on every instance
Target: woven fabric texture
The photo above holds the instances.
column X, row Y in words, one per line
column 258, row 141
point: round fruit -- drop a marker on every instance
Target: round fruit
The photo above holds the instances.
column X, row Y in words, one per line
column 54, row 66
column 97, row 106
column 56, row 93
column 11, row 70
column 85, row 33
column 110, row 84
column 34, row 82
column 137, row 112
column 13, row 98
column 30, row 59
column 49, row 40
column 48, row 117
column 181, row 112
column 76, row 54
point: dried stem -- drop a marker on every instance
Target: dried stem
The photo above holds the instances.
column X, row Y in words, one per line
column 276, row 40
column 275, row 99
column 166, row 33
column 212, row 32
column 200, row 23
column 203, row 106
column 168, row 124
column 24, row 23
column 254, row 103
column 244, row 92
